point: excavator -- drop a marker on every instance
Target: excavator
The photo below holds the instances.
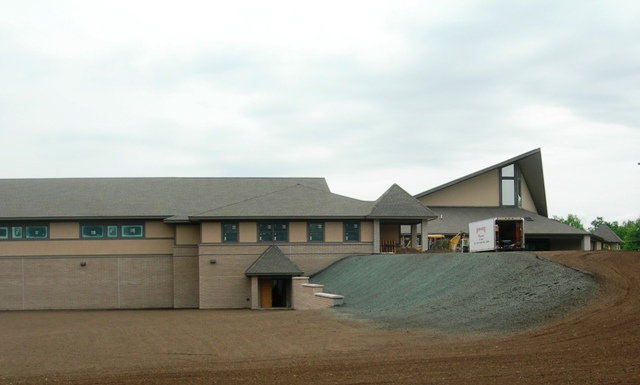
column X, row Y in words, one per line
column 453, row 243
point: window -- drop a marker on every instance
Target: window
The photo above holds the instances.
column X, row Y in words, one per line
column 230, row 232
column 4, row 233
column 316, row 232
column 272, row 232
column 351, row 232
column 92, row 231
column 16, row 232
column 36, row 232
column 113, row 231
column 132, row 231
column 510, row 186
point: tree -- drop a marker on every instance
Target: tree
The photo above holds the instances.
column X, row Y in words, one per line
column 572, row 220
column 631, row 234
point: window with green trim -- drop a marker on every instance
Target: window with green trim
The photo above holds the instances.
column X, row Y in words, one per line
column 16, row 232
column 4, row 233
column 230, row 232
column 272, row 232
column 132, row 231
column 316, row 232
column 36, row 232
column 352, row 231
column 92, row 231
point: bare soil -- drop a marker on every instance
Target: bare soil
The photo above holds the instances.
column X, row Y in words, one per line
column 597, row 344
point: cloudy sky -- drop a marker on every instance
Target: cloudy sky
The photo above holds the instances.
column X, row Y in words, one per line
column 364, row 93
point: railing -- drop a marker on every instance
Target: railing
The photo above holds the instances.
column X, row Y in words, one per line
column 388, row 246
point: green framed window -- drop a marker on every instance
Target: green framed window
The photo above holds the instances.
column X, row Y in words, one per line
column 36, row 232
column 132, row 231
column 92, row 231
column 16, row 232
column 4, row 233
column 230, row 232
column 352, row 231
column 273, row 232
column 316, row 232
column 112, row 231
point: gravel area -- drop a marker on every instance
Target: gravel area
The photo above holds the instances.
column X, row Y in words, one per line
column 459, row 293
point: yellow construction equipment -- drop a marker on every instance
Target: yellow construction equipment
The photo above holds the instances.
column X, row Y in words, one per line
column 453, row 244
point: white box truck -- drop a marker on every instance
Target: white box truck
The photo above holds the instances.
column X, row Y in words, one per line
column 497, row 234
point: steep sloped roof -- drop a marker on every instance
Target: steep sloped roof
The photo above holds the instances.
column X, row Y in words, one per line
column 603, row 231
column 273, row 262
column 72, row 198
column 456, row 219
column 530, row 164
column 297, row 201
column 397, row 203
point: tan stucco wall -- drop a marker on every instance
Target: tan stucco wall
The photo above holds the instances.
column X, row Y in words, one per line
column 297, row 231
column 248, row 232
column 187, row 234
column 366, row 232
column 481, row 191
column 211, row 232
column 158, row 229
column 333, row 232
column 64, row 230
column 527, row 199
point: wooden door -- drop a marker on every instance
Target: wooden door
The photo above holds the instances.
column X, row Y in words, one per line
column 265, row 293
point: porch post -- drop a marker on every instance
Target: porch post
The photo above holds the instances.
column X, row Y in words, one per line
column 376, row 236
column 424, row 234
column 414, row 236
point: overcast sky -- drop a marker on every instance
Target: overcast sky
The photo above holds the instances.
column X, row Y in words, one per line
column 364, row 93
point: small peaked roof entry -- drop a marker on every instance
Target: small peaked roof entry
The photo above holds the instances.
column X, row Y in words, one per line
column 604, row 232
column 397, row 203
column 273, row 262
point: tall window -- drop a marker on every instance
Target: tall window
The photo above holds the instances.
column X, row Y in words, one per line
column 230, row 232
column 351, row 231
column 272, row 232
column 510, row 186
column 316, row 232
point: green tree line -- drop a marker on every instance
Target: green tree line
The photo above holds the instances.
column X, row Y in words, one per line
column 628, row 231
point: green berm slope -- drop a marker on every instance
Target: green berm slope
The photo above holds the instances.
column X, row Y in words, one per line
column 457, row 293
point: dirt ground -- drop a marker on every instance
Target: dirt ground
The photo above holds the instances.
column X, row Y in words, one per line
column 598, row 344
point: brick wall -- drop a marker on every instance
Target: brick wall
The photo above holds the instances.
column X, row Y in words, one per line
column 102, row 283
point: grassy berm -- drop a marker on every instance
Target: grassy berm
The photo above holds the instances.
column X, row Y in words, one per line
column 491, row 293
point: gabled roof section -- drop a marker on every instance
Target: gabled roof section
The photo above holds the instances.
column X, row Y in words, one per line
column 297, row 201
column 456, row 219
column 603, row 231
column 397, row 203
column 273, row 262
column 77, row 198
column 530, row 164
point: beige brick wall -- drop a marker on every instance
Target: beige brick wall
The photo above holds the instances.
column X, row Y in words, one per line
column 187, row 234
column 103, row 283
column 224, row 285
column 186, row 287
column 11, row 284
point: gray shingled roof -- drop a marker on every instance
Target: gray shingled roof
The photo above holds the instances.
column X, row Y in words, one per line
column 187, row 199
column 531, row 168
column 603, row 231
column 273, row 262
column 397, row 203
column 133, row 197
column 456, row 219
column 297, row 201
